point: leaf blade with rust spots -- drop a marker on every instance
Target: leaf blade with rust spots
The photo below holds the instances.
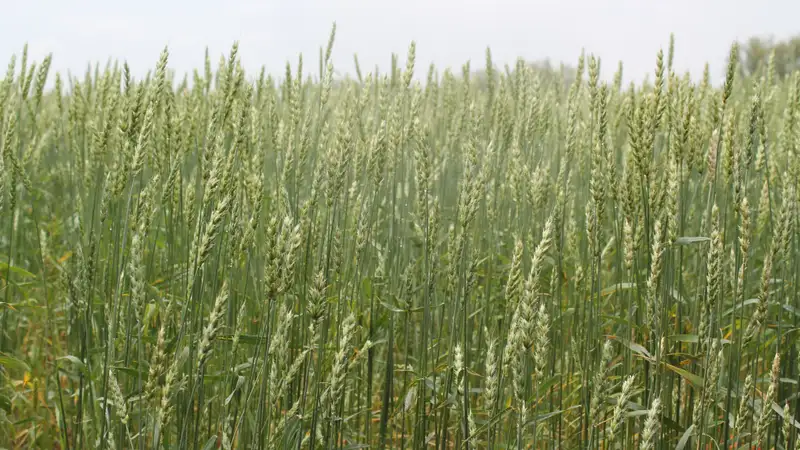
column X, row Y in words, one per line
column 688, row 240
column 633, row 346
column 691, row 338
column 617, row 287
column 692, row 378
column 5, row 268
column 11, row 362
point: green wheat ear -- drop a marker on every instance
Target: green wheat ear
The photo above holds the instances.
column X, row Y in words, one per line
column 486, row 257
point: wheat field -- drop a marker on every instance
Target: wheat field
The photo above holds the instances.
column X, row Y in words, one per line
column 483, row 257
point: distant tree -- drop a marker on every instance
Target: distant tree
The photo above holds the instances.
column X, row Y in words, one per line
column 755, row 54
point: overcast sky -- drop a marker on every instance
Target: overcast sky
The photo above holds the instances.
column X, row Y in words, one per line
column 447, row 32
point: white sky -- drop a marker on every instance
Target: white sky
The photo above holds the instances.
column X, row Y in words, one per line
column 447, row 32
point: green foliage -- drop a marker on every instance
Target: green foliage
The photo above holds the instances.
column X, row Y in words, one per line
column 756, row 54
column 520, row 258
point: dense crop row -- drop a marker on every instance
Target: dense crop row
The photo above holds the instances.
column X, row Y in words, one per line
column 502, row 259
